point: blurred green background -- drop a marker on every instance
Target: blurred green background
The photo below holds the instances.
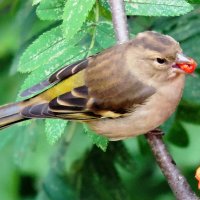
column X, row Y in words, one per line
column 31, row 168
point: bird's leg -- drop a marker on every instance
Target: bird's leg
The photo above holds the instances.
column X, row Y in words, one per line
column 156, row 131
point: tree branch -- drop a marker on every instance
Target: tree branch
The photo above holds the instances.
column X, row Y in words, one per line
column 176, row 180
column 119, row 20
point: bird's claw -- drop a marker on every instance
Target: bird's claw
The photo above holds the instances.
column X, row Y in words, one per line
column 156, row 132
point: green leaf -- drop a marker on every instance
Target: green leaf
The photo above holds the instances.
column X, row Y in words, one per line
column 189, row 113
column 43, row 59
column 35, row 55
column 190, row 47
column 35, row 2
column 154, row 7
column 6, row 135
column 193, row 1
column 178, row 135
column 99, row 140
column 142, row 144
column 101, row 172
column 50, row 10
column 157, row 7
column 75, row 14
column 56, row 185
column 191, row 93
column 105, row 4
column 49, row 47
column 54, row 129
column 105, row 35
column 44, row 72
column 187, row 28
column 166, row 127
column 25, row 141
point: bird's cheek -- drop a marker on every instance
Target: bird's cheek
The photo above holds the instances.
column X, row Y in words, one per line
column 160, row 67
column 173, row 72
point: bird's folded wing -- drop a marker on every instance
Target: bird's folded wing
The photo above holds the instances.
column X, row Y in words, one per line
column 100, row 86
column 113, row 85
column 70, row 105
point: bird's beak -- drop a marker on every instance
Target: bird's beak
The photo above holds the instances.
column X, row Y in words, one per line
column 185, row 64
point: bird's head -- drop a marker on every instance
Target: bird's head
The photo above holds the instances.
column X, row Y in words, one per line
column 160, row 56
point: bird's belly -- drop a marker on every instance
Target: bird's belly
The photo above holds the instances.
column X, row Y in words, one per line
column 145, row 118
column 149, row 116
column 142, row 120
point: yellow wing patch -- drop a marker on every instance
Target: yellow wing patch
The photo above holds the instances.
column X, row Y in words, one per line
column 64, row 86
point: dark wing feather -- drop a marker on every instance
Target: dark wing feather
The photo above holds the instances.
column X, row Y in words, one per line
column 37, row 111
column 69, row 70
column 71, row 105
column 56, row 77
column 71, row 101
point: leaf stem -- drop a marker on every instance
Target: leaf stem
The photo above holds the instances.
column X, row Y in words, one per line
column 94, row 30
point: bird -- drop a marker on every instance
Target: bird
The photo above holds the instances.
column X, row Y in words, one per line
column 124, row 91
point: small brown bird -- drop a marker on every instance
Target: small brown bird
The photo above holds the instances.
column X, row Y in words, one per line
column 124, row 91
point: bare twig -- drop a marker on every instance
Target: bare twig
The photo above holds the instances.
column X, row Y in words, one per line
column 119, row 20
column 176, row 180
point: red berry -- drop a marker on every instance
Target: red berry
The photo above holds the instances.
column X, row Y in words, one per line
column 188, row 67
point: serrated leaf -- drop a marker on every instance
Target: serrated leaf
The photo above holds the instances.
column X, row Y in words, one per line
column 157, row 7
column 54, row 128
column 99, row 140
column 49, row 47
column 69, row 55
column 154, row 7
column 105, row 35
column 33, row 57
column 44, row 61
column 75, row 14
column 50, row 10
column 178, row 135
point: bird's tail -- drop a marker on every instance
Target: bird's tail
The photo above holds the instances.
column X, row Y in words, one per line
column 10, row 114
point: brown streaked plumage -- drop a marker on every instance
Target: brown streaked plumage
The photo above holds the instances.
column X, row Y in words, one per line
column 124, row 91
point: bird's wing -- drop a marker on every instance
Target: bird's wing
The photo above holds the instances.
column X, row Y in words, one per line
column 112, row 84
column 100, row 86
column 56, row 77
column 70, row 105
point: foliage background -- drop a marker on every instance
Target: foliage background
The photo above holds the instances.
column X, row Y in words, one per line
column 35, row 40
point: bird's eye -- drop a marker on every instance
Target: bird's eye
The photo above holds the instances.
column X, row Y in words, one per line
column 160, row 60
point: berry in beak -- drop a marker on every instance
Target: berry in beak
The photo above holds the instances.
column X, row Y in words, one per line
column 188, row 65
